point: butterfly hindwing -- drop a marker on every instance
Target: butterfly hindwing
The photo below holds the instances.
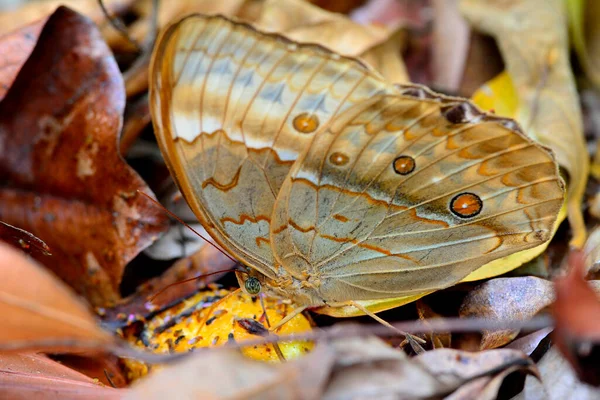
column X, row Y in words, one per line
column 408, row 193
column 233, row 108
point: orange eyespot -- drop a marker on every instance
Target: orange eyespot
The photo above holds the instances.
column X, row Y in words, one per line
column 404, row 165
column 466, row 205
column 306, row 123
column 338, row 159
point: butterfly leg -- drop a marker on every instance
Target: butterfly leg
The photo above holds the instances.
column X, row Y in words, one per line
column 287, row 318
column 414, row 341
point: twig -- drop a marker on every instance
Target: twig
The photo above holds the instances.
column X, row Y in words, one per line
column 119, row 26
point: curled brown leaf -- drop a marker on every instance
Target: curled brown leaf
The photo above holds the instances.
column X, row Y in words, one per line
column 64, row 180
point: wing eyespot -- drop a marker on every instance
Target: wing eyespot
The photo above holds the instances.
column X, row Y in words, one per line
column 306, row 123
column 404, row 165
column 338, row 159
column 466, row 205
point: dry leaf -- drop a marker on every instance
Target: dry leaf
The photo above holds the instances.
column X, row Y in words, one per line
column 301, row 21
column 34, row 10
column 23, row 240
column 227, row 374
column 558, row 381
column 167, row 12
column 35, row 376
column 529, row 343
column 36, row 308
column 15, row 47
column 104, row 368
column 517, row 298
column 450, row 45
column 577, row 328
column 537, row 59
column 67, row 184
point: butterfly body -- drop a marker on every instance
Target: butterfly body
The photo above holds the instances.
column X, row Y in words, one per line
column 331, row 184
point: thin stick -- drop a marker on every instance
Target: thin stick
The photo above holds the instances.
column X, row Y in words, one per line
column 118, row 25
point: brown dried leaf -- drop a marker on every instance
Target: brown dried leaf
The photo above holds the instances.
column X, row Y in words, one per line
column 533, row 38
column 35, row 376
column 303, row 22
column 34, row 10
column 23, row 240
column 167, row 12
column 15, row 47
column 64, row 179
column 577, row 328
column 36, row 308
column 517, row 298
column 104, row 368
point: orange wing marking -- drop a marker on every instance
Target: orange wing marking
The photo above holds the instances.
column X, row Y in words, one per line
column 225, row 187
column 340, row 218
column 244, row 218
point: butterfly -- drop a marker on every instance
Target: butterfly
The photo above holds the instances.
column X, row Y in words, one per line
column 337, row 189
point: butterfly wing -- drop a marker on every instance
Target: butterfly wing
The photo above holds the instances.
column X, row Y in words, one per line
column 232, row 109
column 410, row 193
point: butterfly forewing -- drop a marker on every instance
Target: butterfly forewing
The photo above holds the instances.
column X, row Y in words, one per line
column 408, row 193
column 233, row 108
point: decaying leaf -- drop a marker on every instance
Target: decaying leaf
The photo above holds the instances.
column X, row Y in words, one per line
column 167, row 12
column 35, row 376
column 38, row 310
column 577, row 328
column 517, row 298
column 228, row 374
column 23, row 240
column 558, row 381
column 64, row 179
column 303, row 22
column 537, row 60
column 357, row 368
column 15, row 47
column 530, row 342
column 39, row 9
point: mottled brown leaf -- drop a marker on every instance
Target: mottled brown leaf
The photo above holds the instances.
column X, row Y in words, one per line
column 64, row 180
column 34, row 10
column 577, row 329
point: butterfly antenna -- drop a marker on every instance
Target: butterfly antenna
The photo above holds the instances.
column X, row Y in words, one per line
column 186, row 225
column 161, row 291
